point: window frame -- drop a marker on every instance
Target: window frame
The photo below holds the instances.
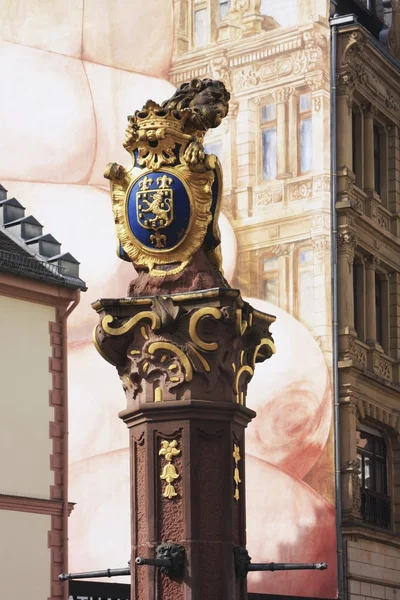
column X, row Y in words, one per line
column 220, row 4
column 271, row 124
column 303, row 115
column 272, row 275
column 357, row 148
column 199, row 5
column 370, row 496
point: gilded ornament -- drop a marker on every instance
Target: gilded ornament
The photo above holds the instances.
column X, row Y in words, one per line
column 166, row 206
column 131, row 323
column 169, row 474
column 194, row 322
column 156, row 346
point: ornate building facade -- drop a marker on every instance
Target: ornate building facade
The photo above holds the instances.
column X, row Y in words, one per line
column 274, row 147
column 368, row 168
column 275, row 150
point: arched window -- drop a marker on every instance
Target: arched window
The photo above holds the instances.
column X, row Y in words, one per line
column 372, row 464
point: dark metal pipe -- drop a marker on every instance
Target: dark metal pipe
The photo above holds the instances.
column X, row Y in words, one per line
column 286, row 566
column 154, row 562
column 94, row 574
column 335, row 22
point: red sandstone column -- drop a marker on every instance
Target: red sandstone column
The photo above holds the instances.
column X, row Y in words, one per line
column 185, row 363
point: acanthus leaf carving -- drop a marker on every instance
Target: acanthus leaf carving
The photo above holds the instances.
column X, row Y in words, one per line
column 173, row 347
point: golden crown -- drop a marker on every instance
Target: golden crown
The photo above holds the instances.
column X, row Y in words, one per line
column 154, row 118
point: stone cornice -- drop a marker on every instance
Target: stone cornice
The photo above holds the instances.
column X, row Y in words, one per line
column 363, row 67
column 373, row 238
column 252, row 62
column 28, row 504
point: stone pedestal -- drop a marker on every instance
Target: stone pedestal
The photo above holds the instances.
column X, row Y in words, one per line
column 185, row 361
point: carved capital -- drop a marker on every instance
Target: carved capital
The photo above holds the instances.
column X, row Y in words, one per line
column 372, row 262
column 183, row 346
column 369, row 110
column 219, row 67
column 347, row 241
column 345, row 83
column 282, row 95
column 391, row 101
column 321, row 245
column 354, row 46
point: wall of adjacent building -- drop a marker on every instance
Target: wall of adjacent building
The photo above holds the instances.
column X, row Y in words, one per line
column 25, row 385
column 25, row 555
column 373, row 569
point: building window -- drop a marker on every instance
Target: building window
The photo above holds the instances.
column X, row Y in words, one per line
column 214, row 148
column 305, row 133
column 200, row 27
column 358, row 298
column 377, row 160
column 379, row 309
column 268, row 132
column 357, row 146
column 371, row 456
column 306, row 286
column 223, row 8
column 270, row 280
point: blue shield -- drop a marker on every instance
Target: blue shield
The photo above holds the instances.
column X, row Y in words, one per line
column 159, row 210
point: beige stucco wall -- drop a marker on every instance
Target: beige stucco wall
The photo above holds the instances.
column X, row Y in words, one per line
column 373, row 570
column 24, row 555
column 25, row 446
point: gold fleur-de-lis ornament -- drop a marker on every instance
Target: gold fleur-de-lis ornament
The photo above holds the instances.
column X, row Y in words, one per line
column 169, row 474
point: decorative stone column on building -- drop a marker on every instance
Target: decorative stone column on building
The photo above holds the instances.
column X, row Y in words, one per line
column 185, row 346
column 351, row 485
column 281, row 97
column 369, row 112
column 371, row 264
column 346, row 245
column 345, row 87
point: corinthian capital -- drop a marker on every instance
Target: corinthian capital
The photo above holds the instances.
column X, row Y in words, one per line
column 369, row 110
column 347, row 242
column 372, row 262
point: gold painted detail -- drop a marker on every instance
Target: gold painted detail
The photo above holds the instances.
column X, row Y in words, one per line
column 158, row 202
column 194, row 321
column 271, row 350
column 243, row 368
column 236, row 474
column 99, row 348
column 198, row 189
column 204, row 362
column 168, row 346
column 154, row 319
column 241, row 324
column 169, row 474
column 158, row 394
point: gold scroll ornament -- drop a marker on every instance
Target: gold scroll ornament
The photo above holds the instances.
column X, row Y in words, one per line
column 169, row 474
column 236, row 475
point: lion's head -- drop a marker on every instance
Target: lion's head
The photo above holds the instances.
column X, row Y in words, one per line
column 207, row 99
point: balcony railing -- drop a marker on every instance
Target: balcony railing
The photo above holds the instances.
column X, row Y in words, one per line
column 376, row 509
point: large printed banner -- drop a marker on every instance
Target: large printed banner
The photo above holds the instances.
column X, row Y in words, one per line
column 83, row 66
